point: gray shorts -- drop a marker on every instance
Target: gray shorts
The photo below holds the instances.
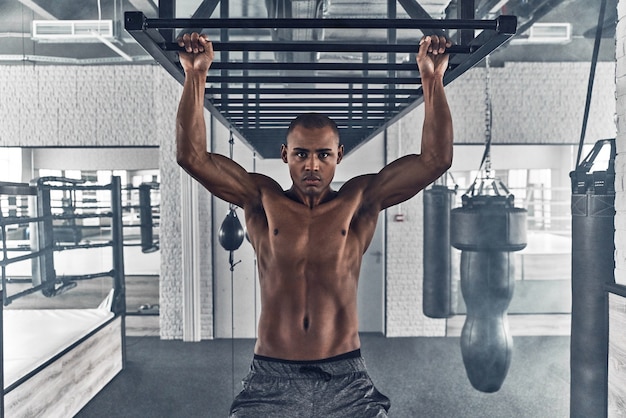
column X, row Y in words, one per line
column 335, row 387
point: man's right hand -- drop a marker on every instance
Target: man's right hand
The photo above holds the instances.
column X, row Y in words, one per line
column 199, row 52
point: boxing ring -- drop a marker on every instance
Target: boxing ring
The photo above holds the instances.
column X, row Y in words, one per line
column 55, row 360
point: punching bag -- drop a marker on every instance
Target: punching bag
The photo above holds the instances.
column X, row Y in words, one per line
column 487, row 229
column 593, row 210
column 439, row 300
column 146, row 219
column 231, row 232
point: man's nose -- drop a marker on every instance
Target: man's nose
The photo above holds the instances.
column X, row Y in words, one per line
column 312, row 163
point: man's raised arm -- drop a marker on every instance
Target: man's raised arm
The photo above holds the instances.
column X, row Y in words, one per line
column 406, row 176
column 219, row 174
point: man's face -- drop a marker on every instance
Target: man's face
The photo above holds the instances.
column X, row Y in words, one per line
column 312, row 156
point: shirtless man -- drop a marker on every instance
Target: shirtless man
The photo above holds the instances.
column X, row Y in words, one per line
column 309, row 241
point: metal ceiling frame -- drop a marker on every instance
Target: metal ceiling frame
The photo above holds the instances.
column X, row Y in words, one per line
column 257, row 100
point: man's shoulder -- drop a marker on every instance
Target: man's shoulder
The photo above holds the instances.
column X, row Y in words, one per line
column 266, row 183
column 356, row 184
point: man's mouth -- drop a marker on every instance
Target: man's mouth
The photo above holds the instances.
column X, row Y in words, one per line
column 312, row 180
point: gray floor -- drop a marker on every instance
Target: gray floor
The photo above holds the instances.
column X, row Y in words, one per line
column 424, row 377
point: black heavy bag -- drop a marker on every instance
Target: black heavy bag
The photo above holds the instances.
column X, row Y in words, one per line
column 593, row 210
column 439, row 300
column 146, row 219
column 487, row 229
column 231, row 232
column 487, row 284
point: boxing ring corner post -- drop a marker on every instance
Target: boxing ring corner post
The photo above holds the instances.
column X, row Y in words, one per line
column 119, row 280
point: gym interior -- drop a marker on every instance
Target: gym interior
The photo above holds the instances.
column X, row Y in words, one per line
column 106, row 239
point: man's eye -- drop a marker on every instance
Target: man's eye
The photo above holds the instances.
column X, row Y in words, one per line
column 301, row 154
column 324, row 155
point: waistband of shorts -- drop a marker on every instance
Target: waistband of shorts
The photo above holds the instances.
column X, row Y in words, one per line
column 347, row 363
column 345, row 356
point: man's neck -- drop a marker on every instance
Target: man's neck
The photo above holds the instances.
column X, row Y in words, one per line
column 310, row 200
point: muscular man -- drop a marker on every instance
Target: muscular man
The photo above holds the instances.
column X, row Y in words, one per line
column 309, row 241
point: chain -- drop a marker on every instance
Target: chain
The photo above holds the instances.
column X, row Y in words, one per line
column 488, row 118
column 231, row 143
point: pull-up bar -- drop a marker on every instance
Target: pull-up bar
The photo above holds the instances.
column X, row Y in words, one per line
column 502, row 24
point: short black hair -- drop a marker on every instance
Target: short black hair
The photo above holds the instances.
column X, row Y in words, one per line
column 313, row 120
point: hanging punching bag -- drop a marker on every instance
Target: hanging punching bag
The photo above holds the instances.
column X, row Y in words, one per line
column 439, row 300
column 231, row 232
column 593, row 211
column 487, row 229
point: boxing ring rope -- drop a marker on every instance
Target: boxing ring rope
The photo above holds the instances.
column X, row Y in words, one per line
column 43, row 242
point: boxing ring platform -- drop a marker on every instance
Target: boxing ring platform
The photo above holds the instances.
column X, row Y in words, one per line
column 360, row 72
column 55, row 360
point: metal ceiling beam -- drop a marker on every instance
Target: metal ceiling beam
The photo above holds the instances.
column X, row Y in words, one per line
column 416, row 11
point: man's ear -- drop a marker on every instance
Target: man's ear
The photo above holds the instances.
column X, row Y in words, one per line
column 283, row 152
column 339, row 154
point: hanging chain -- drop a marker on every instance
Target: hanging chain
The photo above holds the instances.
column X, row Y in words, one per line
column 231, row 142
column 488, row 118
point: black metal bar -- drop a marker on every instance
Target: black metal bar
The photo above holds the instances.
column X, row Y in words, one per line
column 234, row 102
column 314, row 66
column 10, row 298
column 337, row 118
column 58, row 247
column 311, row 106
column 308, row 91
column 277, row 79
column 167, row 10
column 309, row 46
column 74, row 187
column 117, row 232
column 224, row 54
column 43, row 237
column 392, row 38
column 232, row 23
column 31, row 255
column 81, row 215
column 467, row 12
column 20, row 220
column 246, row 73
column 290, row 113
column 616, row 289
column 86, row 276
